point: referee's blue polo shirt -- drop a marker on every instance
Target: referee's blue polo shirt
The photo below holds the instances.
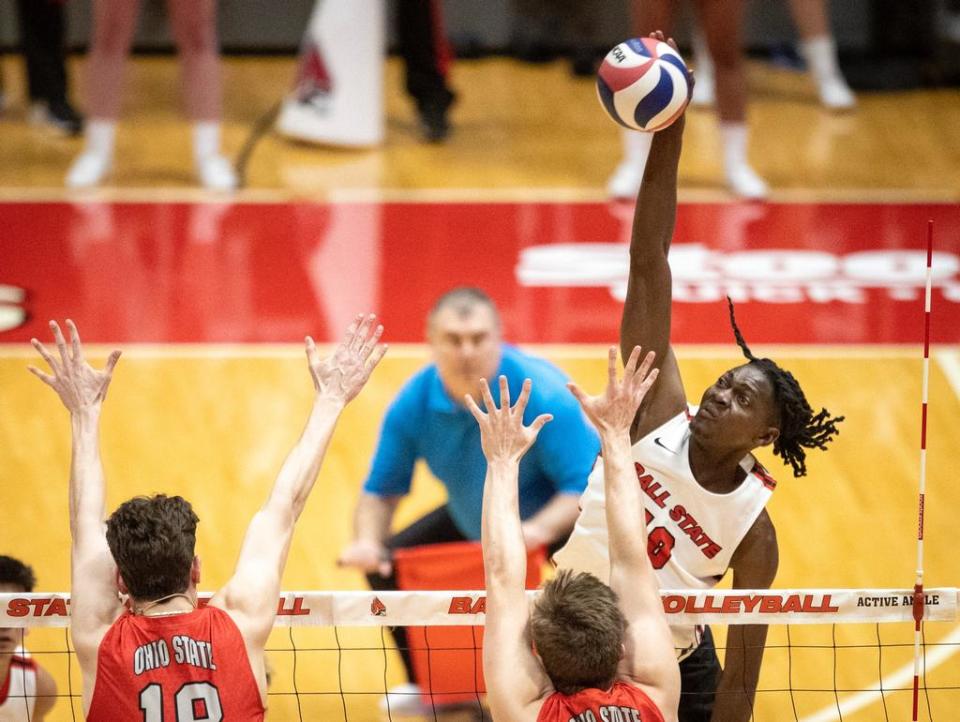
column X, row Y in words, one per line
column 423, row 422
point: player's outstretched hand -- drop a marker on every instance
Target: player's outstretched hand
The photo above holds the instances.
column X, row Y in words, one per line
column 502, row 433
column 341, row 375
column 614, row 410
column 77, row 383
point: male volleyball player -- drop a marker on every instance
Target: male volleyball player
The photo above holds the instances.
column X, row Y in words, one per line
column 27, row 690
column 704, row 492
column 586, row 651
column 160, row 656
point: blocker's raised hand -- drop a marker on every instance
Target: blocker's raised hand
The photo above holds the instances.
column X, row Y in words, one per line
column 615, row 409
column 502, row 433
column 77, row 383
column 341, row 375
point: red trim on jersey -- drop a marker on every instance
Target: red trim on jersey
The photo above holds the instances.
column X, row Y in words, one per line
column 761, row 473
column 15, row 661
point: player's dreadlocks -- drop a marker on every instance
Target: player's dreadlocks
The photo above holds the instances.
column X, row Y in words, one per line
column 800, row 428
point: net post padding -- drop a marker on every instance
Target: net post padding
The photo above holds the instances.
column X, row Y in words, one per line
column 464, row 608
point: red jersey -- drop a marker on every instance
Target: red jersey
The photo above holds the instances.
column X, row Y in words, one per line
column 621, row 703
column 182, row 667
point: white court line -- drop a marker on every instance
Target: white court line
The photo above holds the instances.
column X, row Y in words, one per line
column 517, row 194
column 570, row 351
column 949, row 362
column 899, row 678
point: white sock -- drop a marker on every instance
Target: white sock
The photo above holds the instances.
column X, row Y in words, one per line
column 704, row 92
column 626, row 179
column 821, row 56
column 100, row 137
column 206, row 139
column 636, row 148
column 743, row 180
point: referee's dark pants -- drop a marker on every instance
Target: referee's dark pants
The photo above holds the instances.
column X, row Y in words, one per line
column 42, row 33
column 426, row 53
column 699, row 675
column 437, row 527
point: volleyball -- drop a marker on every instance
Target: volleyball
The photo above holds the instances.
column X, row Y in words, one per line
column 644, row 84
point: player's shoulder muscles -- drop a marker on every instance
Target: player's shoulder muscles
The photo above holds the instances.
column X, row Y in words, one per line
column 757, row 557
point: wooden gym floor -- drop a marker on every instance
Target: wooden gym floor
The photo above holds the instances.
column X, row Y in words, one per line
column 213, row 422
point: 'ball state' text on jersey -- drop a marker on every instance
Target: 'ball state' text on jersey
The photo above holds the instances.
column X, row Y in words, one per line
column 692, row 533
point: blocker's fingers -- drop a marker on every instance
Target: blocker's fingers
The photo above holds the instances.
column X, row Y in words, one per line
column 46, row 378
column 47, row 356
column 378, row 353
column 487, row 396
column 612, row 366
column 111, row 363
column 371, row 341
column 61, row 343
column 504, row 393
column 524, row 397
column 578, row 393
column 74, row 340
column 647, row 363
column 541, row 421
column 631, row 366
column 473, row 408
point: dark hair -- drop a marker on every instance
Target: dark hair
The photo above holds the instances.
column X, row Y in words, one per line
column 152, row 539
column 577, row 628
column 14, row 571
column 800, row 428
column 463, row 299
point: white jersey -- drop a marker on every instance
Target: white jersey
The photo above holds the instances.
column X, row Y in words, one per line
column 19, row 690
column 692, row 533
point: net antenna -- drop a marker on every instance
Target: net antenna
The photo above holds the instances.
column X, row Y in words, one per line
column 918, row 584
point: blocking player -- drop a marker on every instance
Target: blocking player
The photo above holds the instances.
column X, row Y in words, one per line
column 586, row 651
column 705, row 493
column 159, row 656
column 27, row 690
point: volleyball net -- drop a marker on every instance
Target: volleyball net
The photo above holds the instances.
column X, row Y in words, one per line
column 831, row 654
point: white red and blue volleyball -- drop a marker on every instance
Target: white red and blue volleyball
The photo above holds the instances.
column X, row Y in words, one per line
column 644, row 84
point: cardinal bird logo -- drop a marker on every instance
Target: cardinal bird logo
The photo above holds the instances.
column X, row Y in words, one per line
column 377, row 608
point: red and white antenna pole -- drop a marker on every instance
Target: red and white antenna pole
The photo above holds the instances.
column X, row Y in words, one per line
column 918, row 584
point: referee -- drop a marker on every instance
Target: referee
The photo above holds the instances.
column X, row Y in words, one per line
column 427, row 420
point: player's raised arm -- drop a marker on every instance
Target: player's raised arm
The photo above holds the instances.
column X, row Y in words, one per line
column 515, row 679
column 251, row 594
column 646, row 312
column 82, row 389
column 631, row 576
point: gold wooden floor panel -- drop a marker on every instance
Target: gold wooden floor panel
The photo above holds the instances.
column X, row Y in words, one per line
column 516, row 126
column 216, row 429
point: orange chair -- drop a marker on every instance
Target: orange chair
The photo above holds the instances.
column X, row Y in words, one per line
column 447, row 661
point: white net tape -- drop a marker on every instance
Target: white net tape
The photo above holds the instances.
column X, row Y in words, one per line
column 454, row 608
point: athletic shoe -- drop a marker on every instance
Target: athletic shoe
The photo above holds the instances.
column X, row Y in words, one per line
column 59, row 115
column 625, row 182
column 88, row 170
column 744, row 182
column 835, row 94
column 434, row 124
column 217, row 174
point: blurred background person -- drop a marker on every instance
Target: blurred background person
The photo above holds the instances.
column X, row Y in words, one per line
column 817, row 46
column 426, row 57
column 194, row 25
column 42, row 40
column 27, row 690
column 428, row 420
